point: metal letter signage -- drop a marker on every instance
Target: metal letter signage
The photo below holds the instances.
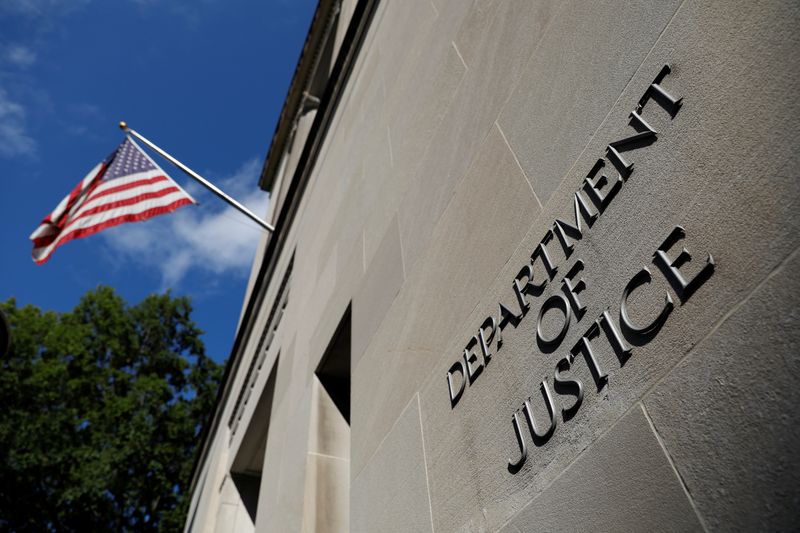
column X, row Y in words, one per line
column 602, row 184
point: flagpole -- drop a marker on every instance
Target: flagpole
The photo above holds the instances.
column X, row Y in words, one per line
column 191, row 173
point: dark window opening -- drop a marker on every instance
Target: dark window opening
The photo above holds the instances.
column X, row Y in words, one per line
column 249, row 462
column 334, row 368
column 248, row 487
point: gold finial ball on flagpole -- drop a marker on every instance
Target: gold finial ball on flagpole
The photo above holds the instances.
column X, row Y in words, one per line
column 123, row 125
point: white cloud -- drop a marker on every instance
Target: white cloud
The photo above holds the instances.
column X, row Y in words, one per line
column 19, row 55
column 40, row 8
column 14, row 139
column 211, row 238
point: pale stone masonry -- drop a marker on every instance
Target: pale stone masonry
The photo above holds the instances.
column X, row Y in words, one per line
column 536, row 269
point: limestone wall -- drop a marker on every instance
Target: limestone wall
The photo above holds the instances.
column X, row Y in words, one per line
column 465, row 133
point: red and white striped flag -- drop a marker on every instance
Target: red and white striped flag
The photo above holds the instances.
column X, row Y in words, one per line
column 127, row 187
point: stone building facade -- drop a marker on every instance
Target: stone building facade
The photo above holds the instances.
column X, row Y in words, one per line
column 536, row 268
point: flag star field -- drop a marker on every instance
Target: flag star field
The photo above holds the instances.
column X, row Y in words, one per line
column 205, row 80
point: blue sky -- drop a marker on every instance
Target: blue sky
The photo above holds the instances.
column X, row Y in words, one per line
column 205, row 79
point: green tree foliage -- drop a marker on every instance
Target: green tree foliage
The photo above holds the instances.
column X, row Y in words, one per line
column 100, row 414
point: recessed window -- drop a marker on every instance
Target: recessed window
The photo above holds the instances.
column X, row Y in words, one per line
column 334, row 368
column 248, row 465
column 327, row 497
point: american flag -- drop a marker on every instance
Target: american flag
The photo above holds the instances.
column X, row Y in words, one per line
column 127, row 187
